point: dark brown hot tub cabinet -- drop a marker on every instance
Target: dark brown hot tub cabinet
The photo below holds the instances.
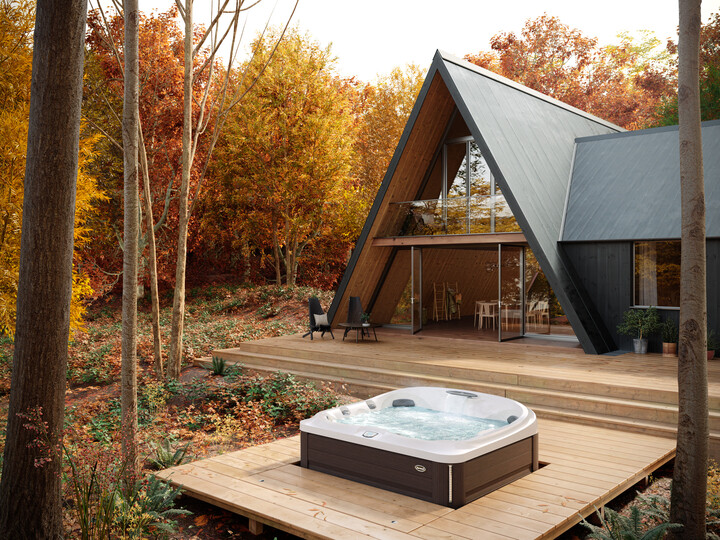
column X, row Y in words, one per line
column 452, row 485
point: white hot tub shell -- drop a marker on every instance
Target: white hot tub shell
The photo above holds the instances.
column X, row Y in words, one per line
column 448, row 472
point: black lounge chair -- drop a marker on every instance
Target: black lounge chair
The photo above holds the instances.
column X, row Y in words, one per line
column 317, row 326
column 355, row 310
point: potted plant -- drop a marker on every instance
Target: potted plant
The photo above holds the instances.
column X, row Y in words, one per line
column 639, row 324
column 365, row 319
column 669, row 334
column 712, row 344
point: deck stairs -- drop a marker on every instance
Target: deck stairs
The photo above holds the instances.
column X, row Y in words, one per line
column 640, row 399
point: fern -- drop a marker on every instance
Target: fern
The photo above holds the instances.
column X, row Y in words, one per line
column 615, row 526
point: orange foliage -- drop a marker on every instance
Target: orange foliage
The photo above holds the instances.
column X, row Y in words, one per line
column 161, row 114
column 622, row 83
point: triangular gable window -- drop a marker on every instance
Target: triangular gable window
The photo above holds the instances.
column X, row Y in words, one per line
column 458, row 196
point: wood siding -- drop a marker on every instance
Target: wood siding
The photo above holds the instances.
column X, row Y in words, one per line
column 414, row 157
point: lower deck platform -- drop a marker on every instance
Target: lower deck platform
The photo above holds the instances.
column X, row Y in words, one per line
column 582, row 468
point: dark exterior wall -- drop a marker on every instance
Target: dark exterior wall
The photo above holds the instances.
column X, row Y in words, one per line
column 713, row 284
column 605, row 269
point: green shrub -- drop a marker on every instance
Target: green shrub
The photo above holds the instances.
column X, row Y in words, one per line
column 166, row 456
column 615, row 526
column 266, row 311
column 286, row 399
column 640, row 323
column 712, row 342
column 218, row 365
column 669, row 331
column 147, row 508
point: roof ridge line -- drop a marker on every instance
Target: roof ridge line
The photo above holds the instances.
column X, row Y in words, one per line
column 638, row 132
column 522, row 88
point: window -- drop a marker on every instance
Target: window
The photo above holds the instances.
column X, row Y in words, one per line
column 657, row 274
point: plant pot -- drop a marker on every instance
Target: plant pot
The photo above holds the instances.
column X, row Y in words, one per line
column 669, row 349
column 711, row 354
column 640, row 346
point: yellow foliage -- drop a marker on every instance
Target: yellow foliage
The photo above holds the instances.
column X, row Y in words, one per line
column 16, row 23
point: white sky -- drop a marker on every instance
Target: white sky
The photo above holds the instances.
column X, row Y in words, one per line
column 371, row 37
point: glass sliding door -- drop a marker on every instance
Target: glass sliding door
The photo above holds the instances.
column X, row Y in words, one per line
column 511, row 291
column 416, row 294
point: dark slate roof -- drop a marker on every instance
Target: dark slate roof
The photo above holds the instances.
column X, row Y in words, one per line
column 626, row 186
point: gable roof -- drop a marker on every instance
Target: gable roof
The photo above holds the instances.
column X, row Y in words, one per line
column 626, row 186
column 527, row 140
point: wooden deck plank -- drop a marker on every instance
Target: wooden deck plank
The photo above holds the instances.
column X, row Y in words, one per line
column 450, row 530
column 284, row 503
column 514, row 510
column 294, row 522
column 477, row 515
column 385, row 497
column 584, row 472
column 324, row 499
column 347, row 491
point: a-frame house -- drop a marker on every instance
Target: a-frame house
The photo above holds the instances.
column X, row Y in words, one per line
column 475, row 201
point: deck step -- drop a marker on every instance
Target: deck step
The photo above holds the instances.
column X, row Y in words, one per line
column 625, row 424
column 365, row 379
column 369, row 359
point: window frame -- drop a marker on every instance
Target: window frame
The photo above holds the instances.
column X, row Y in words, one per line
column 634, row 284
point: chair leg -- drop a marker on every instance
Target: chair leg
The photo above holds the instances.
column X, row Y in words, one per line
column 333, row 335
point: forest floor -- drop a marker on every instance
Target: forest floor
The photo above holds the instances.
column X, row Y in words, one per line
column 203, row 414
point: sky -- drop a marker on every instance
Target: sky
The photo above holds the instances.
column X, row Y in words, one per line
column 371, row 37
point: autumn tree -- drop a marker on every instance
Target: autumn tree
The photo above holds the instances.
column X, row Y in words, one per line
column 16, row 25
column 382, row 110
column 286, row 151
column 667, row 114
column 160, row 76
column 687, row 500
column 622, row 83
column 130, row 131
column 212, row 111
column 30, row 499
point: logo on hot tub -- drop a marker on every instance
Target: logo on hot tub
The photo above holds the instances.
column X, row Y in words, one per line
column 420, row 468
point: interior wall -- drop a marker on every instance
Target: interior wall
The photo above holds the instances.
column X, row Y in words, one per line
column 474, row 270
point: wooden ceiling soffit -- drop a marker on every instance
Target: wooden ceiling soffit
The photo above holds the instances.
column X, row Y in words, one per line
column 515, row 238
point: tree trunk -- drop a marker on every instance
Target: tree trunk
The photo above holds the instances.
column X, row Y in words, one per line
column 690, row 474
column 128, row 396
column 178, row 318
column 276, row 256
column 245, row 251
column 30, row 499
column 152, row 262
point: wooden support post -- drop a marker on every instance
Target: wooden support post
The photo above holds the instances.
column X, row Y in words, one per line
column 255, row 527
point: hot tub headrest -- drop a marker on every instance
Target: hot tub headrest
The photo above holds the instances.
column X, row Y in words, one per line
column 403, row 403
column 511, row 418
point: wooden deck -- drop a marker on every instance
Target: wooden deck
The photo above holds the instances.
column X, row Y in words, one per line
column 585, row 467
column 629, row 392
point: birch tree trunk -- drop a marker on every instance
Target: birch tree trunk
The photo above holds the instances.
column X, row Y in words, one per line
column 690, row 474
column 178, row 315
column 152, row 261
column 30, row 498
column 220, row 105
column 130, row 126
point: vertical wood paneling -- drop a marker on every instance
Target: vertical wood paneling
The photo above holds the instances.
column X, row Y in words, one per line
column 414, row 160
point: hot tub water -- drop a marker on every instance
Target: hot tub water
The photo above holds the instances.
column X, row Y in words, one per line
column 424, row 424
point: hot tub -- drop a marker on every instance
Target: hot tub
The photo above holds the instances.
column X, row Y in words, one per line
column 443, row 445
